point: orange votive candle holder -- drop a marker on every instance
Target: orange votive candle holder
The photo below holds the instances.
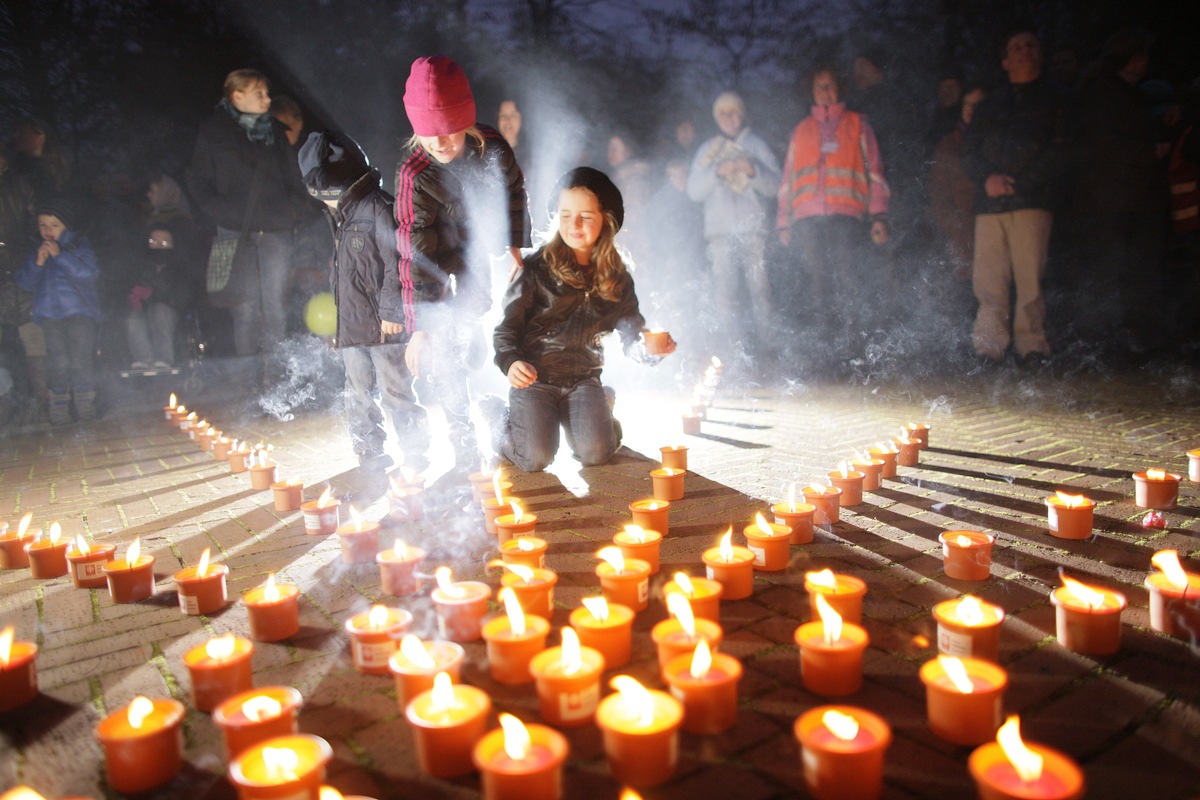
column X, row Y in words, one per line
column 535, row 596
column 493, row 509
column 798, row 517
column 851, row 483
column 412, row 679
column 872, row 472
column 445, row 738
column 967, row 555
column 772, row 547
column 87, row 570
column 1093, row 630
column 1194, row 465
column 845, row 596
column 910, row 452
column 359, row 542
column 964, row 717
column 130, row 583
column 483, row 485
column 320, row 520
column 207, row 438
column 1158, row 491
column 997, row 779
column 647, row 550
column 398, row 570
column 566, row 698
column 460, row 615
column 639, row 753
column 287, row 495
column 215, row 680
column 1162, row 594
column 244, row 722
column 962, row 636
column 508, row 527
column 920, row 432
column 202, row 594
column 673, row 641
column 826, row 504
column 831, row 669
column 840, row 769
column 509, row 653
column 668, row 483
column 674, row 456
column 48, row 559
column 525, row 551
column 537, row 776
column 705, row 597
column 143, row 758
column 12, row 548
column 262, row 476
column 18, row 676
column 254, row 779
column 372, row 645
column 220, row 448
column 1069, row 520
column 690, row 423
column 611, row 637
column 630, row 587
column 888, row 457
column 239, row 461
column 736, row 575
column 273, row 619
column 651, row 514
column 709, row 701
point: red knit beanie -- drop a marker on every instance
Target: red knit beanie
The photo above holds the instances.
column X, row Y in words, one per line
column 438, row 97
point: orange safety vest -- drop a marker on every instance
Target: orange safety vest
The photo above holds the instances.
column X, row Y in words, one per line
column 847, row 186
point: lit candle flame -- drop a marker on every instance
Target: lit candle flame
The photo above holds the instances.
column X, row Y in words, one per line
column 139, row 708
column 24, row 524
column 21, row 793
column 202, row 567
column 843, row 726
column 526, row 546
column 1168, row 562
column 685, row 583
column 844, row 468
column 701, row 660
column 516, row 737
column 517, row 512
column 636, row 532
column 281, row 763
column 726, row 546
column 761, row 523
column 221, row 647
column 824, row 579
column 261, row 707
column 614, row 557
column 377, row 617
column 716, row 363
column 572, row 655
column 636, row 700
column 354, row 515
column 191, row 417
column 816, row 488
column 520, row 570
column 496, row 487
column 957, row 673
column 134, row 552
column 326, row 497
column 6, row 640
column 1156, row 474
column 653, row 505
column 442, row 698
column 173, row 400
column 1070, row 500
column 270, row 590
column 513, row 610
column 55, row 532
column 329, row 793
column 81, row 546
column 791, row 498
column 831, row 620
column 680, row 608
column 414, row 650
column 962, row 541
column 597, row 607
column 1027, row 763
column 1088, row 595
column 400, row 549
column 445, row 582
column 970, row 611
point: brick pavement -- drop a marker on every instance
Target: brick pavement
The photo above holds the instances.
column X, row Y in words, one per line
column 999, row 445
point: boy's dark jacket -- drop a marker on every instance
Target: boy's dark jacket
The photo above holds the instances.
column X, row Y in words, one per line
column 66, row 285
column 558, row 328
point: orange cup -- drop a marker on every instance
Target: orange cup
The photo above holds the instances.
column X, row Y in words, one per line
column 842, row 770
column 705, row 597
column 18, row 678
column 961, row 640
column 241, row 731
column 1162, row 594
column 646, row 551
column 910, row 452
column 509, row 653
column 1069, row 522
column 872, row 471
column 411, row 680
column 445, row 740
column 668, row 483
column 140, row 759
column 772, row 548
column 567, row 699
column 535, row 597
column 641, row 754
column 736, row 576
column 287, row 495
column 651, row 514
column 320, row 520
column 130, row 584
column 1158, row 493
column 630, row 587
column 12, row 549
column 359, row 542
column 398, row 573
column 273, row 620
column 798, row 517
column 538, row 776
column 612, row 637
column 202, row 594
column 827, row 505
column 1090, row 630
column 710, row 701
column 254, row 780
column 851, row 485
column 87, row 571
column 674, row 457
column 996, row 779
column 494, row 509
column 888, row 457
column 673, row 641
column 967, row 555
column 216, row 680
column 507, row 526
column 964, row 717
column 47, row 559
column 460, row 616
column 262, row 476
column 526, row 551
column 831, row 669
column 371, row 647
column 846, row 597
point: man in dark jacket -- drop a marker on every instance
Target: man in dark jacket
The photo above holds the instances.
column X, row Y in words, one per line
column 365, row 278
column 1013, row 153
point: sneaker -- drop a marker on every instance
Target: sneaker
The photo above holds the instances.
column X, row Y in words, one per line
column 140, row 365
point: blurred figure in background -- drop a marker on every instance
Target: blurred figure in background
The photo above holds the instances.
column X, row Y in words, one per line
column 161, row 294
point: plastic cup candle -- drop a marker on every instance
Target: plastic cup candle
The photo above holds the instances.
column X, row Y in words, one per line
column 12, row 545
column 187, row 423
column 197, row 431
column 1069, row 516
column 18, row 671
column 87, row 563
column 842, row 750
column 262, row 470
column 918, row 431
column 967, row 555
column 690, row 421
column 635, row 542
column 872, row 471
column 606, row 628
column 568, row 681
column 406, row 499
column 287, row 495
column 274, row 610
column 533, row 587
column 484, row 483
column 1171, row 585
column 130, row 579
column 885, row 452
column 797, row 516
column 703, row 595
column 248, row 718
column 283, row 768
column 520, row 762
column 415, row 663
column 674, row 456
column 201, row 588
column 1088, row 618
column 732, row 567
column 641, row 732
column 460, row 606
column 850, row 481
column 25, row 793
column 651, row 515
column 770, row 543
column 446, row 722
column 964, row 698
column 908, row 451
column 239, row 458
column 513, row 639
column 668, row 483
column 624, row 581
column 142, row 743
column 968, row 628
column 398, row 568
column 374, row 636
column 496, row 507
column 519, row 523
column 321, row 515
column 527, row 551
column 172, row 401
column 1194, row 465
column 359, row 540
column 826, row 500
column 1156, row 488
column 706, row 683
column 843, row 592
column 679, row 634
column 207, row 439
column 219, row 668
column 831, row 653
column 220, row 448
column 48, row 555
column 1011, row 769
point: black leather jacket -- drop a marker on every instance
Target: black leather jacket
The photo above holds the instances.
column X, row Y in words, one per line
column 558, row 328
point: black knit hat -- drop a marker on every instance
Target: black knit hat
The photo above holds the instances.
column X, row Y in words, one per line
column 331, row 162
column 598, row 184
column 59, row 207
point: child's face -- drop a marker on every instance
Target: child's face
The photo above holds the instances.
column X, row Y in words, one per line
column 50, row 227
column 254, row 99
column 580, row 221
column 160, row 240
column 444, row 148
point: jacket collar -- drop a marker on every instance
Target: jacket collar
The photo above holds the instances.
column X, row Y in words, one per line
column 828, row 113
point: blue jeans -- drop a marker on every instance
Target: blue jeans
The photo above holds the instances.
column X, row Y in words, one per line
column 70, row 353
column 259, row 320
column 150, row 332
column 379, row 372
column 536, row 412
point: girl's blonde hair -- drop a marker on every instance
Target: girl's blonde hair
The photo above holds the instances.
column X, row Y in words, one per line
column 473, row 133
column 242, row 79
column 606, row 270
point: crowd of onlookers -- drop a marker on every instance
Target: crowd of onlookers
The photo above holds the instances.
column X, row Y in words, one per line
column 1056, row 207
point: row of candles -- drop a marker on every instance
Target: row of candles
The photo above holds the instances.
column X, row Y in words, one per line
column 622, row 578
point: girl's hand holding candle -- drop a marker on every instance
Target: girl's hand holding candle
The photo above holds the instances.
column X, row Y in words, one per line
column 274, row 610
column 446, row 722
column 605, row 627
column 658, row 342
column 519, row 762
column 842, row 751
column 87, row 563
column 624, row 581
column 568, row 681
column 732, row 567
column 1010, row 769
column 641, row 732
column 143, row 744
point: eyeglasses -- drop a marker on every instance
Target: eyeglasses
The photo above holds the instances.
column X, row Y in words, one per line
column 160, row 243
